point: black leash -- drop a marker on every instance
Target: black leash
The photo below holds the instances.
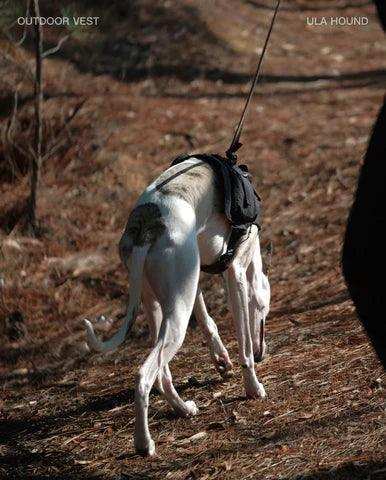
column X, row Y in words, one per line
column 235, row 145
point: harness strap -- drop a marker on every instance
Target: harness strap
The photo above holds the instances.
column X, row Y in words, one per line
column 224, row 260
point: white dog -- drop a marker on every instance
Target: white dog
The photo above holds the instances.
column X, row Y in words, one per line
column 178, row 224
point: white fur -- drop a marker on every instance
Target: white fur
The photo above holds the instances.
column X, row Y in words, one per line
column 166, row 273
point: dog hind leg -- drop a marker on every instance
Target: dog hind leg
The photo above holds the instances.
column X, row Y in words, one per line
column 164, row 382
column 174, row 282
column 153, row 312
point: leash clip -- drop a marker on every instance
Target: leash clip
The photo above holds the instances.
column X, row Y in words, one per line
column 231, row 152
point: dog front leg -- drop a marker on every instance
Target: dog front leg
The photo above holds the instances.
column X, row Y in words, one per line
column 209, row 328
column 259, row 301
column 236, row 281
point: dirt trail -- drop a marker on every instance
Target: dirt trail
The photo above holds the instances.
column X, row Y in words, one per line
column 176, row 83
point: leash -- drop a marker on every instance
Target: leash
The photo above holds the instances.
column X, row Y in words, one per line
column 235, row 144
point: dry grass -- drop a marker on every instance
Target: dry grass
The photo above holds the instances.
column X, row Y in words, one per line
column 69, row 414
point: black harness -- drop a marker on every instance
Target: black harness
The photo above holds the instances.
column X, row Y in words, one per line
column 242, row 205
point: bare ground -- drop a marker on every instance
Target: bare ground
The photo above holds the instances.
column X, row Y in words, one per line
column 69, row 414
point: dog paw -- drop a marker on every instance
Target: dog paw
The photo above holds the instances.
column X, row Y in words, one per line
column 256, row 391
column 191, row 408
column 223, row 364
column 260, row 353
column 147, row 449
column 220, row 356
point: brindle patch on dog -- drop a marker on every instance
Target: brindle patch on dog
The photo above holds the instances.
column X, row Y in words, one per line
column 191, row 184
column 145, row 225
column 202, row 174
column 193, row 174
column 177, row 190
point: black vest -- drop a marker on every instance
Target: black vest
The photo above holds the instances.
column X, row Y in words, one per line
column 242, row 205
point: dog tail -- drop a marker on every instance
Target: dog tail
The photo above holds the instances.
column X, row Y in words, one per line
column 138, row 258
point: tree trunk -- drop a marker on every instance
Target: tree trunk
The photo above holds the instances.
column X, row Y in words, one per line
column 37, row 158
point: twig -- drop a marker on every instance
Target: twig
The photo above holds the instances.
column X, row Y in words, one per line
column 24, row 35
column 7, row 138
column 9, row 129
column 53, row 50
column 279, row 416
column 2, row 296
column 82, row 434
column 59, row 141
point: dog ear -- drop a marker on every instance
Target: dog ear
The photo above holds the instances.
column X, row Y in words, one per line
column 267, row 257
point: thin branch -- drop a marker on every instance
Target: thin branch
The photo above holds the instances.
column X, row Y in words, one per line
column 8, row 138
column 2, row 288
column 57, row 48
column 11, row 121
column 59, row 140
column 8, row 134
column 24, row 36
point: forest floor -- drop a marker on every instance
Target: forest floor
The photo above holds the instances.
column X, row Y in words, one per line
column 176, row 83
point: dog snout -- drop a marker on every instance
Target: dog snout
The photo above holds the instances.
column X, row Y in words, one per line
column 260, row 354
column 258, row 357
